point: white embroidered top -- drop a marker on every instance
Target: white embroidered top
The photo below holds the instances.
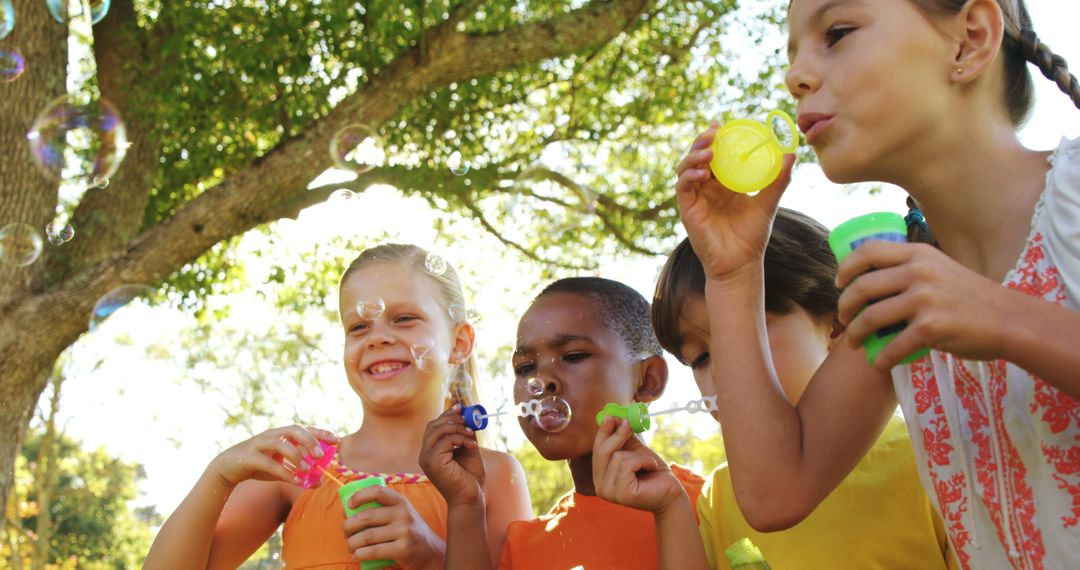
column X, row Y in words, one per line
column 998, row 449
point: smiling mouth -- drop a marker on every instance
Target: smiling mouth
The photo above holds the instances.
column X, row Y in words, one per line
column 385, row 368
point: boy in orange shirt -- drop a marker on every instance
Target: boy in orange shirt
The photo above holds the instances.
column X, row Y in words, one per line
column 588, row 341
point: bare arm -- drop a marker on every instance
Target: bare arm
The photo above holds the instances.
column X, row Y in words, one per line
column 785, row 460
column 237, row 503
column 507, row 498
column 217, row 526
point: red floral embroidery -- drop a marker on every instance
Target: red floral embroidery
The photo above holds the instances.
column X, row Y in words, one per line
column 1058, row 410
column 949, row 491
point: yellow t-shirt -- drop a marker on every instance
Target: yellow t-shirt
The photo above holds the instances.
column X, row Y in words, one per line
column 878, row 517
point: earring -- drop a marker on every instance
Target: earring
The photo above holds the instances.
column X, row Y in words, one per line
column 959, row 70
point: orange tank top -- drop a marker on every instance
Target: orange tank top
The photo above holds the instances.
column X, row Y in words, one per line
column 314, row 537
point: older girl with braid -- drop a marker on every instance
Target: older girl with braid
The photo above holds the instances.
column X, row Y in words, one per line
column 927, row 95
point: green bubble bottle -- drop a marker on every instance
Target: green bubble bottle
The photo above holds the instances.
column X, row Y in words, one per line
column 345, row 493
column 743, row 555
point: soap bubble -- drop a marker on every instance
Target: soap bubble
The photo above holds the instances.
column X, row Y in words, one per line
column 458, row 313
column 357, row 147
column 80, row 143
column 116, row 299
column 535, row 386
column 419, row 354
column 457, row 164
column 370, row 309
column 7, row 18
column 435, row 264
column 12, row 65
column 554, row 414
column 62, row 11
column 20, row 244
column 58, row 234
column 458, row 383
column 341, row 196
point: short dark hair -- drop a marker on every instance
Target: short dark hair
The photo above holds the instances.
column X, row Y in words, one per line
column 800, row 270
column 618, row 306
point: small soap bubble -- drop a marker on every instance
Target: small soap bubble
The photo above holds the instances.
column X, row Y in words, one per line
column 58, row 234
column 20, row 244
column 458, row 384
column 12, row 64
column 63, row 10
column 358, row 148
column 435, row 264
column 77, row 142
column 7, row 18
column 341, row 196
column 117, row 298
column 457, row 164
column 535, row 386
column 554, row 414
column 102, row 182
column 370, row 309
column 458, row 313
column 419, row 354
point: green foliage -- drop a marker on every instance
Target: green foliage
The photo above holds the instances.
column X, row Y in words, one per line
column 228, row 81
column 93, row 527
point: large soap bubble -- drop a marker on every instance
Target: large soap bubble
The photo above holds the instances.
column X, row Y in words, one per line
column 64, row 10
column 116, row 299
column 78, row 142
column 20, row 244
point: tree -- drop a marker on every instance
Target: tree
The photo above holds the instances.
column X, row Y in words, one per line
column 70, row 505
column 230, row 110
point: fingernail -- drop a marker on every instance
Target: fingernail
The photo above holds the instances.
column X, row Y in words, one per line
column 304, row 466
column 296, row 479
column 318, row 451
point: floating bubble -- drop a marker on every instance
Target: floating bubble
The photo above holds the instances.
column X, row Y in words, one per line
column 457, row 164
column 434, row 263
column 77, row 142
column 419, row 354
column 458, row 313
column 102, row 182
column 20, row 244
column 370, row 309
column 554, row 414
column 341, row 196
column 63, row 10
column 58, row 234
column 357, row 147
column 535, row 386
column 116, row 299
column 12, row 64
column 458, row 384
column 7, row 18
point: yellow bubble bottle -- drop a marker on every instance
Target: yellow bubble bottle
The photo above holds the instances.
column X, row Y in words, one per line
column 747, row 154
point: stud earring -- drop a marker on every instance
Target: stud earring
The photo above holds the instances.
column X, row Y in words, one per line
column 959, row 70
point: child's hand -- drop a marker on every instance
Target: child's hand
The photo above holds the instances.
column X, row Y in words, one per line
column 450, row 457
column 946, row 306
column 728, row 230
column 262, row 456
column 394, row 531
column 627, row 472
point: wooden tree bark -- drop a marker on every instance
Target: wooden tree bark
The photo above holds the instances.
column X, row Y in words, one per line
column 42, row 307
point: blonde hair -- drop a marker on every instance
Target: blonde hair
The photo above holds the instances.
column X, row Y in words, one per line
column 450, row 295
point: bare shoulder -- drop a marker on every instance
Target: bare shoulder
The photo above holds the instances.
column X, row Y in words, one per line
column 499, row 462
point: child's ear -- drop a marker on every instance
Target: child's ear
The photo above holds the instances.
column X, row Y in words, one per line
column 464, row 338
column 979, row 28
column 836, row 330
column 653, row 372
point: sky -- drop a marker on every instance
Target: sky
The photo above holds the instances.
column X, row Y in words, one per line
column 139, row 408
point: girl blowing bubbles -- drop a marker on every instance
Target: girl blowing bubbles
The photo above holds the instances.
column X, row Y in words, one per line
column 925, row 94
column 400, row 345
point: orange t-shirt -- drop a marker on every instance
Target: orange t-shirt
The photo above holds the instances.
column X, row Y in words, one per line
column 314, row 536
column 588, row 531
